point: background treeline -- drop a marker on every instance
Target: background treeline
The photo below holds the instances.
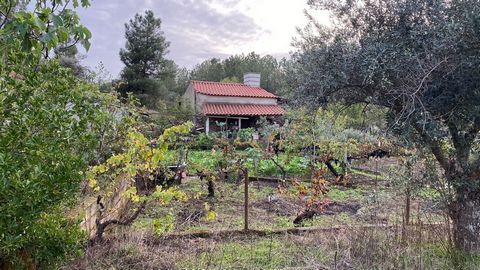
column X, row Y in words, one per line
column 154, row 79
column 158, row 82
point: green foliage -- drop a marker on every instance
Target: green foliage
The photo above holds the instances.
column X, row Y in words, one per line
column 411, row 57
column 245, row 134
column 28, row 34
column 324, row 135
column 267, row 168
column 172, row 113
column 139, row 161
column 147, row 74
column 204, row 141
column 202, row 160
column 233, row 79
column 57, row 237
column 165, row 225
column 68, row 57
column 429, row 193
column 139, row 157
column 146, row 46
column 417, row 59
column 208, row 160
column 232, row 69
column 51, row 127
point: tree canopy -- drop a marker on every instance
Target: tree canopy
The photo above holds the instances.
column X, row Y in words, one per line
column 420, row 60
column 234, row 67
column 52, row 24
column 147, row 73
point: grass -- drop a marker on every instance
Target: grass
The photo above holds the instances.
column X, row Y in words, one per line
column 429, row 193
column 383, row 204
column 265, row 253
column 350, row 248
column 343, row 194
column 374, row 248
column 369, row 175
column 205, row 159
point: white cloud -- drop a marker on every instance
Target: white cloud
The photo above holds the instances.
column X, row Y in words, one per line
column 198, row 29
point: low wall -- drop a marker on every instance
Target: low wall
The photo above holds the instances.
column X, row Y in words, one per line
column 114, row 207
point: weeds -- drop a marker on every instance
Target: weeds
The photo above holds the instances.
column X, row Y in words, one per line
column 392, row 247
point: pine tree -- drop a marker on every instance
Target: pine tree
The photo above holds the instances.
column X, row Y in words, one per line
column 147, row 72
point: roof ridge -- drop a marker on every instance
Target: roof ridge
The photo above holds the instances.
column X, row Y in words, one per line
column 242, row 104
column 222, row 83
column 230, row 89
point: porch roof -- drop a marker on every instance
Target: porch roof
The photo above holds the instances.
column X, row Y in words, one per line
column 242, row 109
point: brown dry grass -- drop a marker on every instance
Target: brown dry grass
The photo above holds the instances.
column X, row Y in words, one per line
column 416, row 247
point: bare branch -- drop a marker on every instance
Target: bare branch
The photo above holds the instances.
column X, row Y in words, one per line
column 7, row 13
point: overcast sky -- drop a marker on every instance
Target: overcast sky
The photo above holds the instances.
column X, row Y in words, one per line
column 197, row 29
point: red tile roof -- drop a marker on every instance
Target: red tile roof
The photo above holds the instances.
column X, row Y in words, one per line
column 230, row 89
column 242, row 109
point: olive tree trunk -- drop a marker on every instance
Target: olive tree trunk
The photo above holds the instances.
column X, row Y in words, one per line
column 463, row 177
column 465, row 215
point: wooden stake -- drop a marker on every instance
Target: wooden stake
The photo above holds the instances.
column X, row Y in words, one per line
column 407, row 207
column 245, row 174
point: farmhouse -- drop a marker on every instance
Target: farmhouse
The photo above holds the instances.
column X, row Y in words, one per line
column 232, row 106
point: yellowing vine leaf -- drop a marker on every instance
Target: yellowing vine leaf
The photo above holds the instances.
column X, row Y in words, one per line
column 211, row 215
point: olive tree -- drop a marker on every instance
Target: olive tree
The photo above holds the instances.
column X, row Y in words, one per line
column 418, row 58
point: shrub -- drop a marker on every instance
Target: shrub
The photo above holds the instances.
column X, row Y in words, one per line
column 204, row 141
column 50, row 130
column 245, row 134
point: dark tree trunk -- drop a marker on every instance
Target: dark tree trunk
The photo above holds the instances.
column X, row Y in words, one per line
column 339, row 176
column 465, row 214
column 284, row 172
column 464, row 208
column 210, row 183
column 211, row 188
column 102, row 226
column 306, row 214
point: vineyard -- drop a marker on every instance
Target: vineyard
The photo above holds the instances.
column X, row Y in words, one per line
column 249, row 203
column 366, row 212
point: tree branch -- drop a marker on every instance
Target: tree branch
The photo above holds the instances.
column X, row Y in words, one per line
column 435, row 147
column 7, row 13
column 101, row 226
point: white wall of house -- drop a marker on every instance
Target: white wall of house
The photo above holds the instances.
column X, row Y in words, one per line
column 189, row 97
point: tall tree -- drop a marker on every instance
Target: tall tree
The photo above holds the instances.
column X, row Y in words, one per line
column 209, row 70
column 420, row 59
column 146, row 69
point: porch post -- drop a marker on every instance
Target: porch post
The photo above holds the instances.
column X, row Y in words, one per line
column 239, row 124
column 207, row 125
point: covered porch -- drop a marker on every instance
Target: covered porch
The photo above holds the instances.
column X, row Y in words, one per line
column 234, row 117
column 217, row 123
